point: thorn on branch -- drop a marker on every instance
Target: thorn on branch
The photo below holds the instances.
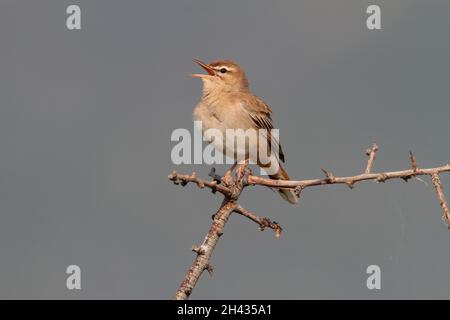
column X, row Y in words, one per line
column 210, row 269
column 329, row 176
column 198, row 250
column 381, row 177
column 188, row 291
column 298, row 191
column 406, row 178
column 413, row 159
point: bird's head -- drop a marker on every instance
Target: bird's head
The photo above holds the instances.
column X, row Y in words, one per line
column 222, row 75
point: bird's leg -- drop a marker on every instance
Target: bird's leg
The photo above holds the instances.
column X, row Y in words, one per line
column 227, row 177
column 241, row 168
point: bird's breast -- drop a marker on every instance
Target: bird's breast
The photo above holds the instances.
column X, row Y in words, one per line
column 222, row 114
column 210, row 117
column 220, row 117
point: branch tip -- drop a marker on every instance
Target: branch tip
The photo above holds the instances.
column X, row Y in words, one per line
column 413, row 160
column 371, row 153
column 436, row 180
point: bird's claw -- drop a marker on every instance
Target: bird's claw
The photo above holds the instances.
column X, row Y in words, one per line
column 227, row 178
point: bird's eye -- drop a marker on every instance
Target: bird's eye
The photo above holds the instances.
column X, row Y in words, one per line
column 223, row 70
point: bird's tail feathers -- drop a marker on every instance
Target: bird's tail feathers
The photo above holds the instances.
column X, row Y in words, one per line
column 287, row 194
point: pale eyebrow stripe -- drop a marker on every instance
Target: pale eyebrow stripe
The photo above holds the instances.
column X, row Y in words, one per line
column 220, row 67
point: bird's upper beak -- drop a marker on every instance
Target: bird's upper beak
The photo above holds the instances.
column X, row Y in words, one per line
column 211, row 71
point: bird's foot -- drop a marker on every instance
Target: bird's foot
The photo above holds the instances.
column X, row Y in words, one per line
column 227, row 179
column 241, row 171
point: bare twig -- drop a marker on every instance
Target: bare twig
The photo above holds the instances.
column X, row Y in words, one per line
column 262, row 222
column 378, row 177
column 204, row 252
column 184, row 179
column 413, row 159
column 229, row 205
column 371, row 153
column 443, row 202
column 243, row 178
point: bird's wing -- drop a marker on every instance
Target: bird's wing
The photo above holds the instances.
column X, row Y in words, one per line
column 260, row 114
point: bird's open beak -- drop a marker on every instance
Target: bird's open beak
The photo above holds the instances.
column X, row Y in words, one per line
column 211, row 71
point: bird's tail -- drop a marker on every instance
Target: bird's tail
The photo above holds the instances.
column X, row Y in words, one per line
column 287, row 194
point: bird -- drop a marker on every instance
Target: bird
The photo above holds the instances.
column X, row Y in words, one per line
column 228, row 103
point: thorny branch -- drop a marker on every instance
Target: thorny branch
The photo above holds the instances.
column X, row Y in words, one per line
column 263, row 222
column 371, row 153
column 438, row 186
column 243, row 178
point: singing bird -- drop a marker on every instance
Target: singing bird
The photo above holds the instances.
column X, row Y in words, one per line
column 227, row 103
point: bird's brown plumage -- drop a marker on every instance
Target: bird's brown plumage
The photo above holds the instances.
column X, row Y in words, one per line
column 227, row 103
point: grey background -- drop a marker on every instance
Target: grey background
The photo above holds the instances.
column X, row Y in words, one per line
column 85, row 124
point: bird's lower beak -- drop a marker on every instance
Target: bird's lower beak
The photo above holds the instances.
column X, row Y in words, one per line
column 211, row 71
